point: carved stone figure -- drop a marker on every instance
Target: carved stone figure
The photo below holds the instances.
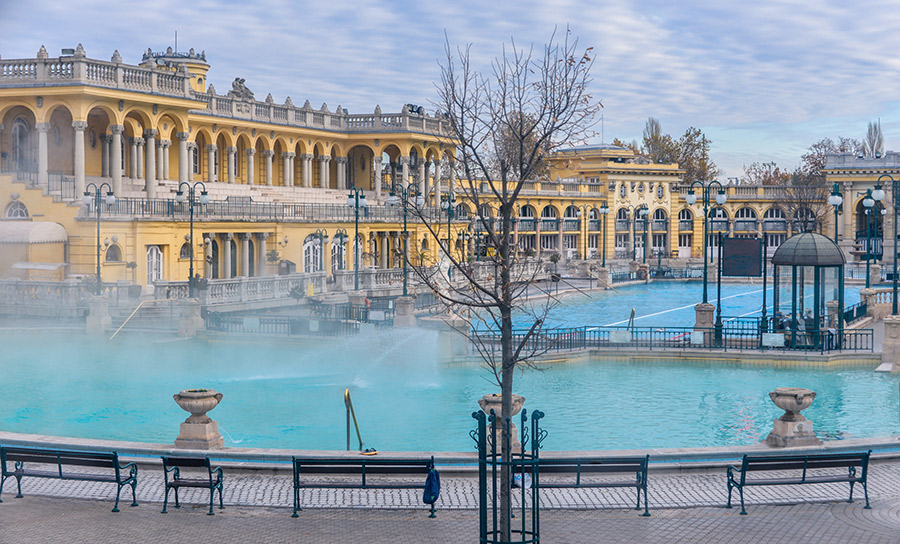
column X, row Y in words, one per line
column 239, row 90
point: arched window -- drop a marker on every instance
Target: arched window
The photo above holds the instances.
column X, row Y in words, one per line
column 16, row 210
column 185, row 252
column 660, row 215
column 685, row 215
column 718, row 213
column 622, row 214
column 20, row 148
column 774, row 213
column 548, row 212
column 486, row 211
column 113, row 254
column 462, row 211
column 571, row 212
column 195, row 154
column 745, row 213
column 312, row 254
column 526, row 211
column 338, row 253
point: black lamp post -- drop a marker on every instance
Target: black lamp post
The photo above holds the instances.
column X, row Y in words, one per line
column 638, row 211
column 835, row 199
column 604, row 211
column 403, row 200
column 448, row 204
column 204, row 199
column 691, row 199
column 868, row 203
column 895, row 201
column 110, row 200
column 356, row 200
column 323, row 239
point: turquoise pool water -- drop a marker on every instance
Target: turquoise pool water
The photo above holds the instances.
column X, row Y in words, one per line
column 291, row 396
column 667, row 304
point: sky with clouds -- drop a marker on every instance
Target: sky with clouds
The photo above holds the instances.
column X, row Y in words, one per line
column 763, row 80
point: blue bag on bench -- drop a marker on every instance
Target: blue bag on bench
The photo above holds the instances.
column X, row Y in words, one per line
column 432, row 487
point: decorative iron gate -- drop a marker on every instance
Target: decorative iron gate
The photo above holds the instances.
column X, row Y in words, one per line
column 523, row 473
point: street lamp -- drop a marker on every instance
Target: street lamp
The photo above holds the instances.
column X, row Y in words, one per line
column 638, row 212
column 604, row 211
column 691, row 199
column 403, row 200
column 836, row 200
column 110, row 200
column 323, row 239
column 204, row 199
column 462, row 242
column 448, row 204
column 356, row 200
column 868, row 203
column 340, row 235
column 895, row 200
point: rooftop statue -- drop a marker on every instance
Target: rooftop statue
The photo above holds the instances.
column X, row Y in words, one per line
column 239, row 90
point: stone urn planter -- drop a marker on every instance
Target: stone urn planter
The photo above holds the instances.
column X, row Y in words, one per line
column 199, row 431
column 792, row 429
column 494, row 402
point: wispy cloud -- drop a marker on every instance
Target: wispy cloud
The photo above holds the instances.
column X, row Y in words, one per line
column 763, row 79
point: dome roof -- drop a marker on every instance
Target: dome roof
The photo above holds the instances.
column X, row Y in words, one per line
column 808, row 249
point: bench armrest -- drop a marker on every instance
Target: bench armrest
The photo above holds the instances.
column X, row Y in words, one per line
column 730, row 470
column 218, row 472
column 132, row 470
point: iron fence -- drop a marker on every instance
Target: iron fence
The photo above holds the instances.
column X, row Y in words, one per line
column 280, row 325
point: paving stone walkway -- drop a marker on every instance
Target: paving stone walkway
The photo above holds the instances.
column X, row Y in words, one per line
column 685, row 507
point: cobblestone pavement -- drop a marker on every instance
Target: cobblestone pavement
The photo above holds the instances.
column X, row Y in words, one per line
column 684, row 506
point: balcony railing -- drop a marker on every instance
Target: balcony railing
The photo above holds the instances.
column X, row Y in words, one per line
column 686, row 225
column 774, row 225
column 572, row 225
column 745, row 225
column 659, row 225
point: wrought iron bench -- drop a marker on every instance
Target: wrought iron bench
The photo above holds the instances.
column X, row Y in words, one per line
column 596, row 466
column 800, row 469
column 53, row 463
column 363, row 468
column 212, row 479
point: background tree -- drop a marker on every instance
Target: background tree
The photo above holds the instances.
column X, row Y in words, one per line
column 658, row 147
column 806, row 200
column 693, row 156
column 503, row 124
column 874, row 142
column 813, row 161
column 765, row 173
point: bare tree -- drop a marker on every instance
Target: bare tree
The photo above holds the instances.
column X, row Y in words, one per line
column 806, row 200
column 767, row 173
column 874, row 142
column 531, row 103
column 813, row 161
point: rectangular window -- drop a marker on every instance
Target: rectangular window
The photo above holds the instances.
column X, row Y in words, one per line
column 570, row 241
column 195, row 159
column 526, row 241
column 685, row 240
column 621, row 241
column 548, row 241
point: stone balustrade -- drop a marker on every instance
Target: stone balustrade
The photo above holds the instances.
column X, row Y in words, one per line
column 879, row 301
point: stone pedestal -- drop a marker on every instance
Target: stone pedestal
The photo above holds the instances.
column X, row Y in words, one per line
column 494, row 402
column 644, row 272
column 191, row 320
column 98, row 320
column 874, row 274
column 603, row 277
column 356, row 298
column 199, row 432
column 403, row 312
column 890, row 348
column 705, row 321
column 792, row 429
column 634, row 266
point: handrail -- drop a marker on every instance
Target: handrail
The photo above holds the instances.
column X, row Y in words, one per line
column 351, row 412
column 129, row 318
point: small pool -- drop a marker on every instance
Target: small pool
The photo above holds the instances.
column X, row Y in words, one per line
column 291, row 396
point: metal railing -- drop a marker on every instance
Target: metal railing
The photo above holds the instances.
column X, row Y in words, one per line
column 280, row 325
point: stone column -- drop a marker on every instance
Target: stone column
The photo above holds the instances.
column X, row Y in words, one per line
column 141, row 143
column 211, row 161
column 385, row 263
column 251, row 166
column 423, row 182
column 452, row 176
column 404, row 171
column 268, row 154
column 890, row 348
column 261, row 259
column 378, row 167
column 437, row 182
column 104, row 155
column 133, row 163
column 705, row 321
column 79, row 127
column 245, row 254
column 324, row 171
column 183, row 161
column 150, row 184
column 208, row 255
column 293, row 174
column 115, row 155
column 226, row 254
column 341, row 172
column 190, row 163
column 231, row 151
column 43, row 160
column 160, row 160
column 286, row 168
column 848, row 240
column 165, row 162
column 306, row 169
